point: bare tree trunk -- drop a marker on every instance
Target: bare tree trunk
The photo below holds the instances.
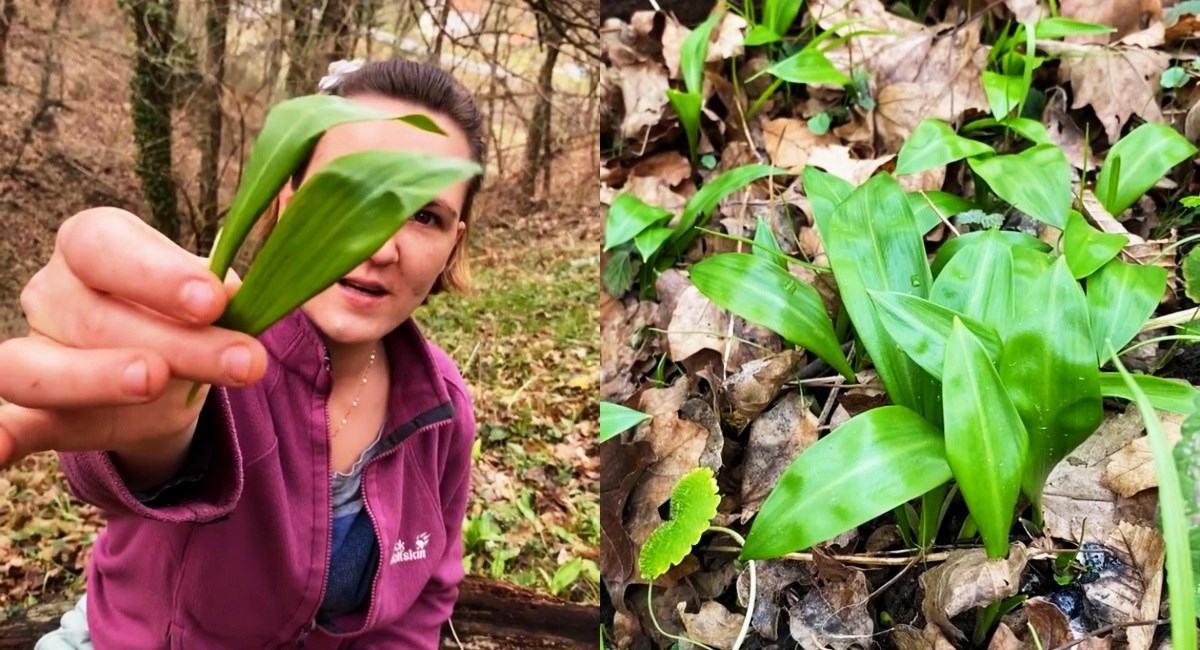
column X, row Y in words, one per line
column 215, row 23
column 538, row 135
column 316, row 43
column 8, row 12
column 300, row 79
column 335, row 34
column 153, row 23
column 435, row 55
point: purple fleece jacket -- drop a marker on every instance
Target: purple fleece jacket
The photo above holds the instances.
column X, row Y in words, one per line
column 242, row 561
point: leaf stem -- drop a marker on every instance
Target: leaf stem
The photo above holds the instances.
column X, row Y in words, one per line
column 741, row 637
column 650, row 608
column 1158, row 339
column 794, row 260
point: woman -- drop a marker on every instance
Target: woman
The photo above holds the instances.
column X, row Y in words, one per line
column 315, row 497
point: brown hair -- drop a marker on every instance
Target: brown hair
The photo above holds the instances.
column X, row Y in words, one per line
column 437, row 91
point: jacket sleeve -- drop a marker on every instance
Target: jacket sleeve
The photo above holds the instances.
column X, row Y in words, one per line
column 205, row 497
column 420, row 628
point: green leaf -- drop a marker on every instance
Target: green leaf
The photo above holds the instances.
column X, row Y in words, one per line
column 768, row 247
column 872, row 242
column 1004, row 92
column 704, row 201
column 616, row 419
column 1181, row 579
column 694, row 52
column 819, row 124
column 1120, row 298
column 934, row 144
column 1086, row 248
column 289, row 134
column 1191, row 274
column 1174, row 77
column 1031, row 130
column 618, row 273
column 627, row 216
column 650, row 240
column 824, row 191
column 1036, row 181
column 822, row 494
column 983, row 430
column 922, row 328
column 761, row 35
column 756, row 289
column 778, row 15
column 926, row 205
column 688, row 106
column 1028, row 265
column 1049, row 367
column 808, row 66
column 1187, row 462
column 1171, row 395
column 1057, row 27
column 694, row 502
column 566, row 575
column 951, row 247
column 337, row 219
column 1146, row 154
column 978, row 281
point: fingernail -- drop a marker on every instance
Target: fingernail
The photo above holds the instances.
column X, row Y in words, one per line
column 235, row 362
column 136, row 380
column 197, row 297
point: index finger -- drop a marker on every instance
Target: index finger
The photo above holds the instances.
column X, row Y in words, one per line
column 115, row 252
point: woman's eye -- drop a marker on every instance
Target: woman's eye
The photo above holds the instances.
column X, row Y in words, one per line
column 426, row 217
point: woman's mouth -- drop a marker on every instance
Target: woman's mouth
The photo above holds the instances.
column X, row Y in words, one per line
column 365, row 288
column 361, row 293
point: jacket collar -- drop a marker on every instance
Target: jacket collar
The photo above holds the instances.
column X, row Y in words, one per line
column 418, row 391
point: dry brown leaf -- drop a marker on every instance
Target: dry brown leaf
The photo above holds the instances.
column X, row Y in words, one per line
column 833, row 614
column 1075, row 498
column 670, row 166
column 789, row 141
column 776, row 439
column 622, row 466
column 630, row 43
column 836, row 160
column 1051, row 624
column 773, row 578
column 1129, row 588
column 756, row 385
column 655, row 190
column 697, row 324
column 644, row 89
column 725, row 41
column 1065, row 133
column 930, row 179
column 869, row 393
column 907, row 637
column 967, row 579
column 698, row 411
column 1128, row 16
column 677, row 445
column 1117, row 83
column 1004, row 639
column 1131, row 468
column 620, row 324
column 1027, row 11
column 713, row 626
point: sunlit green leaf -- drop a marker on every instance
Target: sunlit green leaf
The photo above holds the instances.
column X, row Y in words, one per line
column 1029, row 129
column 1146, row 154
column 761, row 35
column 756, row 289
column 1187, row 462
column 704, row 201
column 922, row 327
column 808, row 66
column 694, row 52
column 694, row 502
column 651, row 239
column 934, row 144
column 1190, row 270
column 627, row 216
column 1174, row 77
column 688, row 107
column 1059, row 27
column 1004, row 92
column 768, row 247
column 337, row 219
column 819, row 124
column 896, row 452
column 1120, row 298
column 824, row 191
column 1086, row 248
column 616, row 419
column 983, row 431
column 1036, row 181
column 1048, row 365
column 978, row 281
column 1171, row 395
column 1028, row 266
column 872, row 242
column 952, row 246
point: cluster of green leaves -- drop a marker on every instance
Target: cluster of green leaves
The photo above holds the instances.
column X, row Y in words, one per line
column 996, row 369
column 636, row 228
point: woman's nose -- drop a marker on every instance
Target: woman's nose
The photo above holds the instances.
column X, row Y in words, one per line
column 389, row 253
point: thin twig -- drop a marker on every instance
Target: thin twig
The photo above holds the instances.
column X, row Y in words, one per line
column 874, row 560
column 1109, row 628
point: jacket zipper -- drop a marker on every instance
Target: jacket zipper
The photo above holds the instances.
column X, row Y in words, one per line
column 312, row 624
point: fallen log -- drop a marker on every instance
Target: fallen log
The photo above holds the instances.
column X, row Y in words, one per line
column 490, row 615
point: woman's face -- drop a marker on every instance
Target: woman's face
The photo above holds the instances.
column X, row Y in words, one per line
column 382, row 292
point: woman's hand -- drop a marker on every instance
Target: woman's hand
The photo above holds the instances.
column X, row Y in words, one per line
column 120, row 325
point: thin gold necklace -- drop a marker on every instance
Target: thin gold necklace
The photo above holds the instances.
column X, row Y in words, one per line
column 354, row 402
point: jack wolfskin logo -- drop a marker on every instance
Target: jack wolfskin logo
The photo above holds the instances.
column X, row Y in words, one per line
column 399, row 554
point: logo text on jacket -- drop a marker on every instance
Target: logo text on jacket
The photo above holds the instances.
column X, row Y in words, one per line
column 400, row 554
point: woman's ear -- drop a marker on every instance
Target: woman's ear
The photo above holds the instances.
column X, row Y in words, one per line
column 285, row 196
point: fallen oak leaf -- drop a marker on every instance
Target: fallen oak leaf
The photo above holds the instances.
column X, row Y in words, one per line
column 968, row 579
column 713, row 626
